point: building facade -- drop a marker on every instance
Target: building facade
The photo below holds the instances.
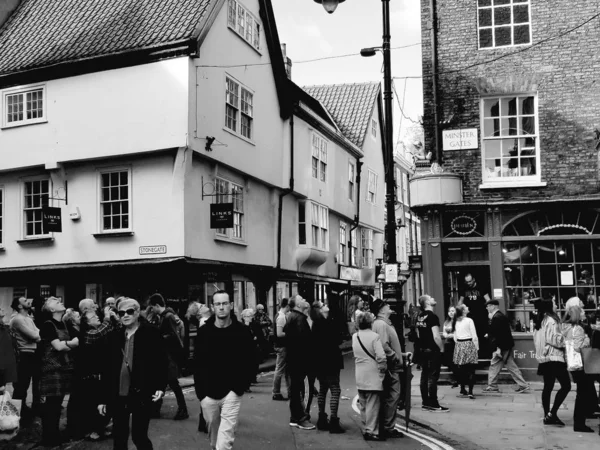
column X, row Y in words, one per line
column 511, row 117
column 142, row 130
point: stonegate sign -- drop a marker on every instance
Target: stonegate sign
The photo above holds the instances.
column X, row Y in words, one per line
column 460, row 139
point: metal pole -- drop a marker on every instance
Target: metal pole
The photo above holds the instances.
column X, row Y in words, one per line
column 390, row 200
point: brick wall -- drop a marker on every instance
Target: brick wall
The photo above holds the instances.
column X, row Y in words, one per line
column 565, row 73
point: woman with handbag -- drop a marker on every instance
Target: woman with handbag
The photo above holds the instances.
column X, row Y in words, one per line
column 371, row 365
column 575, row 340
column 550, row 354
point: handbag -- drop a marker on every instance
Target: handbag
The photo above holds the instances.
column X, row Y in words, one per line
column 574, row 361
column 9, row 414
column 591, row 360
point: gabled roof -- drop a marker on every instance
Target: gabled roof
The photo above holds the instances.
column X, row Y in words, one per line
column 350, row 105
column 42, row 33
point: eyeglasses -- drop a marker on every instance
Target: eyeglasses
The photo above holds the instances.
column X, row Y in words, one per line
column 129, row 312
column 221, row 304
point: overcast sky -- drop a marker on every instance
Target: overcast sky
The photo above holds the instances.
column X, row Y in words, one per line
column 310, row 33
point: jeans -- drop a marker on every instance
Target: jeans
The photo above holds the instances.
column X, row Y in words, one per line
column 280, row 371
column 431, row 363
column 221, row 419
column 507, row 360
column 297, row 407
column 140, row 422
column 389, row 400
column 28, row 371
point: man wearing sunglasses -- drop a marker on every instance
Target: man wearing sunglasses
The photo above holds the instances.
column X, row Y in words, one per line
column 224, row 368
column 135, row 376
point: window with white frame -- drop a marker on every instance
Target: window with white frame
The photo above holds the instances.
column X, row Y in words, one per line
column 36, row 196
column 115, row 200
column 405, row 188
column 319, row 157
column 372, row 187
column 373, row 128
column 503, row 23
column 353, row 248
column 510, row 138
column 351, row 180
column 343, row 243
column 1, row 216
column 229, row 192
column 318, row 217
column 24, row 106
column 239, row 108
column 243, row 22
column 367, row 247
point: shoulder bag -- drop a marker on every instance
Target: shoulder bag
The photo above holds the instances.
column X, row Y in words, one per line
column 573, row 358
column 364, row 348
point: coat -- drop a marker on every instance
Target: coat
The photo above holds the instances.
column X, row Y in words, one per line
column 549, row 342
column 150, row 361
column 500, row 333
column 369, row 372
column 8, row 365
column 328, row 356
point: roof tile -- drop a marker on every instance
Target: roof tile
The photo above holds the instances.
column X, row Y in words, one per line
column 45, row 32
column 350, row 105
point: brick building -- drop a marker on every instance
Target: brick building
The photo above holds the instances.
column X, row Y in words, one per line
column 511, row 115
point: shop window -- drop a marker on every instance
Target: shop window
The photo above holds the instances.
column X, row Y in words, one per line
column 238, row 297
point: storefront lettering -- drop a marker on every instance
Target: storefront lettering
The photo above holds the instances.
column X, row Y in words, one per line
column 460, row 139
column 524, row 355
column 463, row 225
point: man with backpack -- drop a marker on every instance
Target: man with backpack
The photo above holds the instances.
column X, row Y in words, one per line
column 172, row 329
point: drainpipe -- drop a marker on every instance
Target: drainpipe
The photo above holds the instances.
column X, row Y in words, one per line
column 285, row 192
column 436, row 127
column 357, row 217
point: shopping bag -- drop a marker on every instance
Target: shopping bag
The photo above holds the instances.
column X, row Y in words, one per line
column 9, row 414
column 574, row 361
column 591, row 360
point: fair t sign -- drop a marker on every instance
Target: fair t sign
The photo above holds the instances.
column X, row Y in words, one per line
column 51, row 219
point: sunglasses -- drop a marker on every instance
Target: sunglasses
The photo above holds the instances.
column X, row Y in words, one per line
column 129, row 312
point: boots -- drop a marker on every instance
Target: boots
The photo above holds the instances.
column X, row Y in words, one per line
column 181, row 414
column 322, row 423
column 335, row 427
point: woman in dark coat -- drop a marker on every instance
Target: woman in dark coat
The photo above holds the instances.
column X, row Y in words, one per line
column 328, row 364
column 8, row 363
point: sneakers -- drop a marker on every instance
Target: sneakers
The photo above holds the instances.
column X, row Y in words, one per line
column 303, row 425
column 437, row 408
column 279, row 397
column 522, row 389
column 490, row 389
column 551, row 419
column 372, row 437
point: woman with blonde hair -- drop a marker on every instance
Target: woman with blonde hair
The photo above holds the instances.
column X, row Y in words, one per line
column 465, row 350
column 586, row 393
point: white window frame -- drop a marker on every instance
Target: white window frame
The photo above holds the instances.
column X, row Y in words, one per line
column 343, row 236
column 316, row 225
column 374, row 129
column 24, row 207
column 351, row 181
column 243, row 23
column 101, row 202
column 234, row 193
column 372, row 187
column 366, row 238
column 318, row 152
column 354, row 248
column 502, row 177
column 510, row 25
column 1, row 216
column 23, row 91
column 238, row 113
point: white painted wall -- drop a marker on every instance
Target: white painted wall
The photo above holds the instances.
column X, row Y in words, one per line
column 115, row 112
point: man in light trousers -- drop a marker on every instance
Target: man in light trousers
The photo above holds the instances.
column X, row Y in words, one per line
column 280, row 349
column 501, row 341
column 224, row 369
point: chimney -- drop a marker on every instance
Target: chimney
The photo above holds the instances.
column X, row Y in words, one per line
column 287, row 62
column 7, row 7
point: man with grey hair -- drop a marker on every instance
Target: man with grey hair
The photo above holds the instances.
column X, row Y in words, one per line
column 135, row 376
column 86, row 305
column 298, row 338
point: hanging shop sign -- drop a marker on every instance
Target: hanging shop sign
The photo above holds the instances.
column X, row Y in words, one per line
column 463, row 225
column 391, row 273
column 221, row 215
column 460, row 139
column 415, row 262
column 51, row 219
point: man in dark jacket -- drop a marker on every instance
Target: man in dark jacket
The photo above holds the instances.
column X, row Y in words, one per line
column 502, row 343
column 299, row 354
column 134, row 377
column 328, row 363
column 169, row 324
column 223, row 370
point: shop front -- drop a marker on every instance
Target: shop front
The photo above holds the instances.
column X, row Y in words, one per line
column 517, row 254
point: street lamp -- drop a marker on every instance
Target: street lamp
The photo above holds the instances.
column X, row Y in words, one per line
column 330, row 5
column 388, row 160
